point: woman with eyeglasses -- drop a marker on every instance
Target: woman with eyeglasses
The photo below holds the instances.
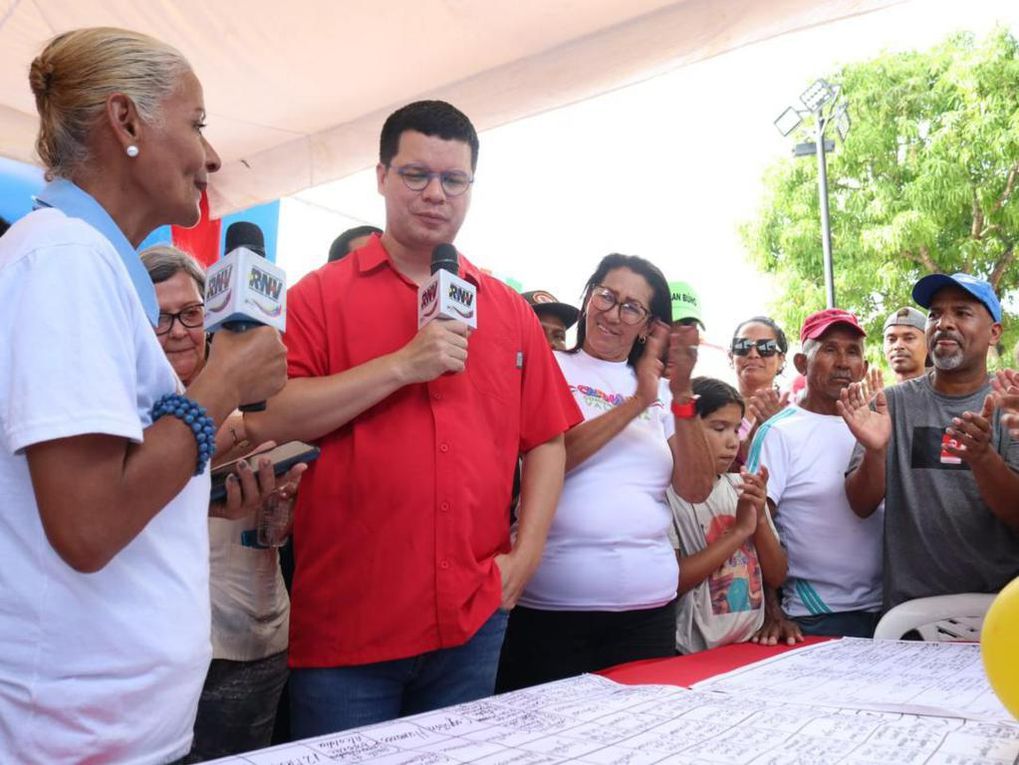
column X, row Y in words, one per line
column 180, row 287
column 104, row 481
column 605, row 591
column 757, row 353
column 250, row 605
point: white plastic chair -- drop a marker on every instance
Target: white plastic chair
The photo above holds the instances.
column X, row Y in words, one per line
column 938, row 618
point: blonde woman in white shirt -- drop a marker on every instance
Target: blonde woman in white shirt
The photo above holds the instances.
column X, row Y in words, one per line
column 104, row 485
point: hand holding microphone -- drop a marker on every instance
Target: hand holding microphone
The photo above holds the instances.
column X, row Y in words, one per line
column 252, row 363
column 447, row 310
column 440, row 347
column 246, row 294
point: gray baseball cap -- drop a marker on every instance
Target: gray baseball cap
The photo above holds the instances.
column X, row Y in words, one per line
column 907, row 317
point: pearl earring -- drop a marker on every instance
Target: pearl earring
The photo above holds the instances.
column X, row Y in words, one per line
column 132, row 151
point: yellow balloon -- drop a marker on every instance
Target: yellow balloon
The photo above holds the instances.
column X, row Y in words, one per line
column 999, row 641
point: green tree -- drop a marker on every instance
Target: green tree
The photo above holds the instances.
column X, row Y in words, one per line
column 926, row 182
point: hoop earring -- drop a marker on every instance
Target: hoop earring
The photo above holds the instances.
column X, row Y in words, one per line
column 131, row 151
column 642, row 339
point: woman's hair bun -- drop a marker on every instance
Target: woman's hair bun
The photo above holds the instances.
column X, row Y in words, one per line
column 40, row 77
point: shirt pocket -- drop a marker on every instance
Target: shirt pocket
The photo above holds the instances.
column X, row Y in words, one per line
column 495, row 370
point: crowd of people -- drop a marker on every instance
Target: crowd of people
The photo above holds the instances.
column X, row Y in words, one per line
column 491, row 508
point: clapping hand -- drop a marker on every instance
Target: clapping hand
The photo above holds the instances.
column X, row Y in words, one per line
column 971, row 433
column 650, row 367
column 753, row 498
column 765, row 404
column 871, row 427
column 683, row 342
column 875, row 381
column 1006, row 394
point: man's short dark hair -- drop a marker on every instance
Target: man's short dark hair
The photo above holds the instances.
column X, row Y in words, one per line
column 340, row 247
column 4, row 225
column 432, row 118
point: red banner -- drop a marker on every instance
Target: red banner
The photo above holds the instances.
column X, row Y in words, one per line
column 202, row 241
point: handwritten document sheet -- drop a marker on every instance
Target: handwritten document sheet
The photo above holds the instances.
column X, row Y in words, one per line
column 945, row 679
column 589, row 719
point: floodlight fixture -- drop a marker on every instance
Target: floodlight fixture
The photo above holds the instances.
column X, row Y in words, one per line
column 817, row 95
column 842, row 122
column 788, row 121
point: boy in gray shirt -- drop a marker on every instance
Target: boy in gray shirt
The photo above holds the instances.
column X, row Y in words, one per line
column 935, row 450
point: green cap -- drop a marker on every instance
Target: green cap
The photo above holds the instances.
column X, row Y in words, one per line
column 686, row 304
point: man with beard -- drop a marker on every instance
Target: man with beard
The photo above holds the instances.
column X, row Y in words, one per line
column 935, row 450
column 905, row 346
column 834, row 581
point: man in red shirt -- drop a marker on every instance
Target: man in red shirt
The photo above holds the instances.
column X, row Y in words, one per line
column 405, row 564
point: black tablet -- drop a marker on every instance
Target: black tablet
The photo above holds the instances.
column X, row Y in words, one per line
column 283, row 458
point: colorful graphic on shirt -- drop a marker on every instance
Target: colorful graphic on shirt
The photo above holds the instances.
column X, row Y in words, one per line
column 599, row 399
column 736, row 585
column 927, row 450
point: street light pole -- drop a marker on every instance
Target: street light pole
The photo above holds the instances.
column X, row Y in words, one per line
column 822, row 101
column 822, row 190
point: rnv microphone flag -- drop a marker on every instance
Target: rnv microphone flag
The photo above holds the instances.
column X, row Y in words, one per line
column 243, row 290
column 445, row 295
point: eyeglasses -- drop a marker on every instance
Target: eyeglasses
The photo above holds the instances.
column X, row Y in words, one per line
column 631, row 312
column 741, row 347
column 453, row 182
column 191, row 317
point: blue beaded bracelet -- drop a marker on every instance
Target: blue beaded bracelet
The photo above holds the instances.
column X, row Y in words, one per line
column 193, row 415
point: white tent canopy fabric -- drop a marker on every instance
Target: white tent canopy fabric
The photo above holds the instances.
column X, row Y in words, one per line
column 297, row 91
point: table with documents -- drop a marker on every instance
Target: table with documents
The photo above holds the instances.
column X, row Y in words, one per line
column 845, row 701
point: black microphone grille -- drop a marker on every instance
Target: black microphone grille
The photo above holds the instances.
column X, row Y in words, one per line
column 245, row 234
column 445, row 258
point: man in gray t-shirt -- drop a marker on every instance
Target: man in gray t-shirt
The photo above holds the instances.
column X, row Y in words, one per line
column 934, row 449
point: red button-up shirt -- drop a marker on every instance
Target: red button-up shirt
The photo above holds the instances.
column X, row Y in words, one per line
column 398, row 521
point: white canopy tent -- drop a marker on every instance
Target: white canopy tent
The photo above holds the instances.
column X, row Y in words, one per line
column 297, row 90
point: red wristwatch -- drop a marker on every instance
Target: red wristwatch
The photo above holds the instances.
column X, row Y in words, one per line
column 687, row 410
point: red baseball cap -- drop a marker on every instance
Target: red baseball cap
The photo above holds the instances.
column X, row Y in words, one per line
column 818, row 323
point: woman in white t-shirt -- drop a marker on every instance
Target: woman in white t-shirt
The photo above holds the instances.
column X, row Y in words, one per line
column 727, row 546
column 605, row 590
column 104, row 484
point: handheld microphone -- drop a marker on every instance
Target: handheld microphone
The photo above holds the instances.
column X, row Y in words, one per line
column 445, row 295
column 243, row 290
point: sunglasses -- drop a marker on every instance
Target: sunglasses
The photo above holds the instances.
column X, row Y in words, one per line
column 765, row 348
